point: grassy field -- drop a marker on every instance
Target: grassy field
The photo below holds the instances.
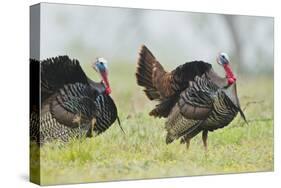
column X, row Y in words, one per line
column 142, row 152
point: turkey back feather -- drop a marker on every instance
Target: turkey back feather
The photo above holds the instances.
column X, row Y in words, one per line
column 187, row 72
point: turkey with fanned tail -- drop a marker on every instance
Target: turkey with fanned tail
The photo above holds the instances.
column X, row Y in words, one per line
column 192, row 97
column 72, row 105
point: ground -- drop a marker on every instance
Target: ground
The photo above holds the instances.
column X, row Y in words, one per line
column 142, row 152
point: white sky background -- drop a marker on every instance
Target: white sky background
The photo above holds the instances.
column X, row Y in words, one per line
column 87, row 32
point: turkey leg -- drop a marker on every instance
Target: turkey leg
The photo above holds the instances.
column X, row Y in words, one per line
column 186, row 140
column 204, row 138
column 93, row 126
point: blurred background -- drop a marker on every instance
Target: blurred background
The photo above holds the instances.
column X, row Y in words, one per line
column 87, row 32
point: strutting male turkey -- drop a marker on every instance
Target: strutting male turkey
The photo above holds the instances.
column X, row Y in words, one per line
column 72, row 105
column 192, row 97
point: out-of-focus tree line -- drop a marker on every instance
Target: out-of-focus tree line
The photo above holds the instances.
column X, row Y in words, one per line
column 85, row 32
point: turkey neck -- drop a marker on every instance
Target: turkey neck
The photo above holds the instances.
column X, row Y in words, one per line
column 229, row 74
column 104, row 76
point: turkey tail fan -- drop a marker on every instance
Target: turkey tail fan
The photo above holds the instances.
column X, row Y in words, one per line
column 31, row 60
column 119, row 123
column 59, row 71
column 144, row 72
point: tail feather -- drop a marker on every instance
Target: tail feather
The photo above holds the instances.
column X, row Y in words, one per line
column 144, row 73
column 156, row 82
column 143, row 80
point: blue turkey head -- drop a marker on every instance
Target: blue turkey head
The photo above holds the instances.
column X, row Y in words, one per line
column 101, row 67
column 223, row 58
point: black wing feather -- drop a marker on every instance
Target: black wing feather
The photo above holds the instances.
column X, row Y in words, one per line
column 74, row 100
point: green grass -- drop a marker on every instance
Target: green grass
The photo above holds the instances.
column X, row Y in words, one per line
column 142, row 152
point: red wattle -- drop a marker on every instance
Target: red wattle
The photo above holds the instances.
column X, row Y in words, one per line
column 231, row 80
column 105, row 80
column 107, row 90
column 229, row 74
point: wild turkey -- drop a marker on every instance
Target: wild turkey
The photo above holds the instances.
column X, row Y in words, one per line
column 72, row 105
column 192, row 97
